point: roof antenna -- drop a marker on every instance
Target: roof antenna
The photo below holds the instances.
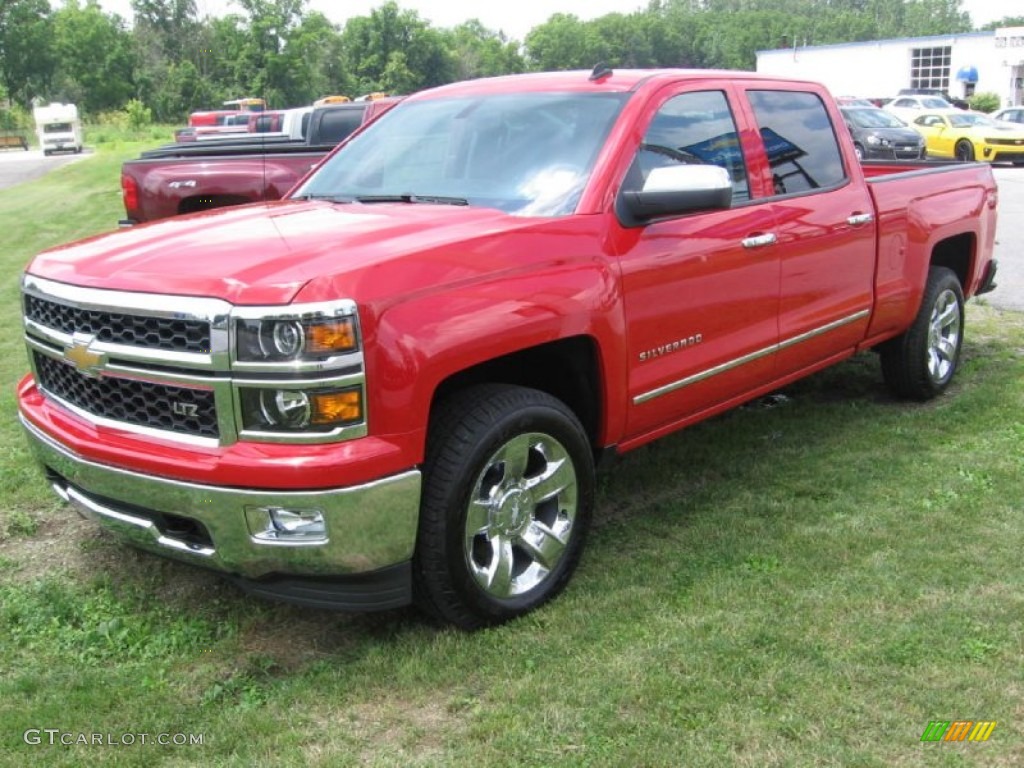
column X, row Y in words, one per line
column 600, row 71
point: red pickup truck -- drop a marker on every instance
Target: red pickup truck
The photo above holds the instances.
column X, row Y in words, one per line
column 239, row 168
column 395, row 385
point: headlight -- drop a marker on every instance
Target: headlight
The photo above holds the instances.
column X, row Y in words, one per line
column 874, row 141
column 280, row 341
column 300, row 334
column 298, row 374
column 300, row 410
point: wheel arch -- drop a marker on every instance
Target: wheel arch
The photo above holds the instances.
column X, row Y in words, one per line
column 956, row 253
column 568, row 369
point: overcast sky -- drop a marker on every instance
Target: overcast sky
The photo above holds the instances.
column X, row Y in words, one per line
column 516, row 17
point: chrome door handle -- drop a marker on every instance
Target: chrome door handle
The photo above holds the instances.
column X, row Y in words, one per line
column 859, row 219
column 759, row 241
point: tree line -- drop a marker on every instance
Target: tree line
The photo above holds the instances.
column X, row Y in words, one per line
column 173, row 61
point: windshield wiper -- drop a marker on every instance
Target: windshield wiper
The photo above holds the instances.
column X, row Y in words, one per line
column 332, row 198
column 409, row 198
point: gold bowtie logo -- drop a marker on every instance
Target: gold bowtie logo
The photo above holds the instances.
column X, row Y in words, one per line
column 85, row 361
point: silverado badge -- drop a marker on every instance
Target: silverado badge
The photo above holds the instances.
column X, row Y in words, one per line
column 87, row 362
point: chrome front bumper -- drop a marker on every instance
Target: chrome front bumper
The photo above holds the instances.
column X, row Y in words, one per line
column 370, row 528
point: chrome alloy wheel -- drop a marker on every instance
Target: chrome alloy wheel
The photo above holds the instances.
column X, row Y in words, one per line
column 521, row 515
column 943, row 336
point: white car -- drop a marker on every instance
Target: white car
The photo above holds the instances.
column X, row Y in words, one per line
column 910, row 107
column 1010, row 115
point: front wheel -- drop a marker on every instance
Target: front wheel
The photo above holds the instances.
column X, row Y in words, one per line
column 858, row 150
column 964, row 151
column 920, row 363
column 507, row 496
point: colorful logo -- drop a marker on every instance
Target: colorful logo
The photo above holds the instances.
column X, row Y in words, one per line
column 958, row 730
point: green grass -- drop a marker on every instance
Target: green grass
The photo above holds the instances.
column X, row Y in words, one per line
column 807, row 584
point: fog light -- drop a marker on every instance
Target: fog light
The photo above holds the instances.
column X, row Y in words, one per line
column 279, row 525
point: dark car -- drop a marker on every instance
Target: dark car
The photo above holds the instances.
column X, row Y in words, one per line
column 877, row 134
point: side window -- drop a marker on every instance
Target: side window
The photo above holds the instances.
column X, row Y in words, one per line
column 799, row 140
column 692, row 128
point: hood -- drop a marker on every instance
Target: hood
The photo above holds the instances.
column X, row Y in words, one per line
column 1015, row 131
column 265, row 254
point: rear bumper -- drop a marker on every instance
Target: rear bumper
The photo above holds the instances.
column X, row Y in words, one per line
column 360, row 562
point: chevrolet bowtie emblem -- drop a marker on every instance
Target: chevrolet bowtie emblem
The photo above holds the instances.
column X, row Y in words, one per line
column 87, row 362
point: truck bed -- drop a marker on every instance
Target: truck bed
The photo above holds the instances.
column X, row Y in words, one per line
column 913, row 216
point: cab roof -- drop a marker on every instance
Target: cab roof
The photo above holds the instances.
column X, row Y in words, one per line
column 615, row 81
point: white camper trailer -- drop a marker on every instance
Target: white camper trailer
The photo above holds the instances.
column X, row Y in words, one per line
column 58, row 128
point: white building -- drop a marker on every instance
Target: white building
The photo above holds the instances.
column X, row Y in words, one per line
column 962, row 64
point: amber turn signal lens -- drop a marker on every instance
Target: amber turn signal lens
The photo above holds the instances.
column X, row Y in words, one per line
column 332, row 336
column 337, row 407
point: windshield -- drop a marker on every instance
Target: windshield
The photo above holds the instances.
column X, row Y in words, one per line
column 873, row 118
column 57, row 128
column 528, row 154
column 934, row 102
column 967, row 120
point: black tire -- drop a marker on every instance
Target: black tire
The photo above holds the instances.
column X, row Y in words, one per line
column 921, row 363
column 964, row 151
column 488, row 450
column 858, row 150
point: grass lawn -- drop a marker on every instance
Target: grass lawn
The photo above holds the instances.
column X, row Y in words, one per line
column 806, row 581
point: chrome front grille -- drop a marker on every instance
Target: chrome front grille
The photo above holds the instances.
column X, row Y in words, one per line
column 141, row 403
column 162, row 365
column 163, row 333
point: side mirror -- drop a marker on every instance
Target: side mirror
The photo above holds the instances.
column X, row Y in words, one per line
column 676, row 190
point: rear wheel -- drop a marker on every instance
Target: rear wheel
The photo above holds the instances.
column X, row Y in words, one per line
column 507, row 495
column 920, row 364
column 964, row 150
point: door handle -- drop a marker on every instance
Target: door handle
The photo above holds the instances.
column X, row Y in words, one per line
column 859, row 219
column 759, row 241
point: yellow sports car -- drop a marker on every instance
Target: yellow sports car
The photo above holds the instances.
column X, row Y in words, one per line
column 971, row 136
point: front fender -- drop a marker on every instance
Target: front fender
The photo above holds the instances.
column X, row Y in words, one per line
column 420, row 343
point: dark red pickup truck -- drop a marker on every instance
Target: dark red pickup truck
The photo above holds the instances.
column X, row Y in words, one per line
column 236, row 169
column 395, row 386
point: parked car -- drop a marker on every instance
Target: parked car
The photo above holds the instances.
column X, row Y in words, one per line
column 1009, row 115
column 971, row 136
column 909, row 107
column 394, row 385
column 944, row 95
column 879, row 135
column 238, row 169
